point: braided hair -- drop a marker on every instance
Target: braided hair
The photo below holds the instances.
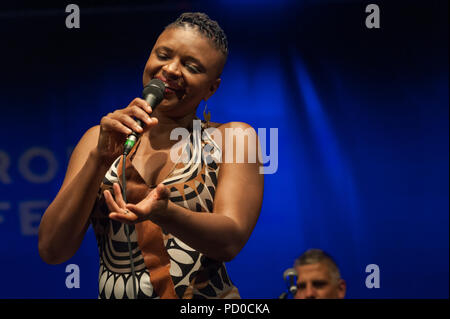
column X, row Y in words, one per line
column 206, row 27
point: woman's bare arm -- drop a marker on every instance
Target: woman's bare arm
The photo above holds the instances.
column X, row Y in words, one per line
column 66, row 220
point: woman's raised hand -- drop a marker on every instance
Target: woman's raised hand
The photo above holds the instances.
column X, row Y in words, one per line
column 116, row 126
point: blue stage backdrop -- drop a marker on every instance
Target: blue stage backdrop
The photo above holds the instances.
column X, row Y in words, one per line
column 361, row 145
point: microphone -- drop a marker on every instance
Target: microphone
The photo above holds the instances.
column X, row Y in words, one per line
column 290, row 277
column 153, row 94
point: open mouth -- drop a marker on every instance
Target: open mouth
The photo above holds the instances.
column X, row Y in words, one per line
column 171, row 86
column 168, row 89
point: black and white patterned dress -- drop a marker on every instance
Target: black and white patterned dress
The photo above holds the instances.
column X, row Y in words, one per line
column 192, row 185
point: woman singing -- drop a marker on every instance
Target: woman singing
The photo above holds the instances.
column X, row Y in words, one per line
column 186, row 214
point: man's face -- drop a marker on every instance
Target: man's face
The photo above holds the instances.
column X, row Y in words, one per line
column 315, row 282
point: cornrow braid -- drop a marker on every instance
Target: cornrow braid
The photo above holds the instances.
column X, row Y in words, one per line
column 206, row 26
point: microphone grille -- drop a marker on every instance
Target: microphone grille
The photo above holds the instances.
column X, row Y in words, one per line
column 289, row 272
column 155, row 87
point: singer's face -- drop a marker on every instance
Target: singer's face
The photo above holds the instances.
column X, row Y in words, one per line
column 315, row 282
column 188, row 64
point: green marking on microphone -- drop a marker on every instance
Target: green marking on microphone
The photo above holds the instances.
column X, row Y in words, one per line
column 129, row 143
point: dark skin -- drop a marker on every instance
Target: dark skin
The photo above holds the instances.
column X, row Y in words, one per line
column 189, row 65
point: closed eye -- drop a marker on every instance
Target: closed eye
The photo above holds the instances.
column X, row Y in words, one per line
column 192, row 68
column 162, row 57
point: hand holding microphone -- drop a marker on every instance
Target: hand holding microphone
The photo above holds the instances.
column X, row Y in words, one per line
column 153, row 94
column 131, row 121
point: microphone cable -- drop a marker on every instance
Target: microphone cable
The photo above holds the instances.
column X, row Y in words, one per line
column 127, row 227
column 153, row 94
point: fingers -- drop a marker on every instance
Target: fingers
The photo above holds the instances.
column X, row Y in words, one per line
column 131, row 213
column 112, row 205
column 131, row 123
column 108, row 123
column 118, row 195
column 116, row 203
column 141, row 110
column 141, row 210
column 117, row 207
column 118, row 121
column 124, row 120
column 125, row 217
column 134, row 209
column 141, row 104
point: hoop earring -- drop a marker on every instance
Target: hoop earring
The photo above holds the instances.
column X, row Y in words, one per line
column 206, row 116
